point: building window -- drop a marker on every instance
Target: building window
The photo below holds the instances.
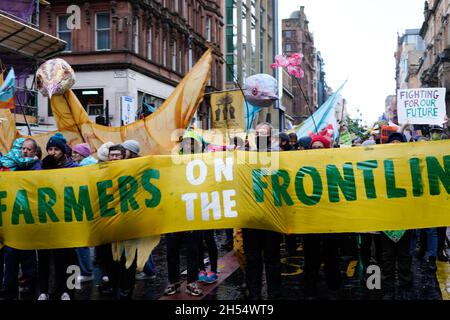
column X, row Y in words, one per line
column 231, row 19
column 174, row 56
column 150, row 43
column 289, row 34
column 208, row 28
column 64, row 33
column 290, row 47
column 136, row 36
column 180, row 62
column 164, row 53
column 91, row 100
column 102, row 31
column 147, row 104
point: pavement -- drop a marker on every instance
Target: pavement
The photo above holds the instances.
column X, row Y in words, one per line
column 426, row 285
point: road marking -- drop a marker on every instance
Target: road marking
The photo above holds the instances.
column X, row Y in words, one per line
column 298, row 268
column 443, row 277
column 351, row 268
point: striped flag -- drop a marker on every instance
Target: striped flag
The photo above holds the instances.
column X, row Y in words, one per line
column 7, row 91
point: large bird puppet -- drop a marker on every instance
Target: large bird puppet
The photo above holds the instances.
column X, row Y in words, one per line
column 157, row 134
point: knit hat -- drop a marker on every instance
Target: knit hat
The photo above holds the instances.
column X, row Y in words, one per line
column 326, row 143
column 57, row 141
column 103, row 151
column 132, row 145
column 83, row 149
column 396, row 136
column 305, row 142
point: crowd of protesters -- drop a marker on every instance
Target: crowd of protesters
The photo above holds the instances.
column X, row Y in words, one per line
column 36, row 270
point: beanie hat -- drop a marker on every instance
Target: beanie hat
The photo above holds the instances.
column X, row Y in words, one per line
column 131, row 145
column 103, row 151
column 83, row 149
column 396, row 136
column 305, row 142
column 57, row 141
column 326, row 143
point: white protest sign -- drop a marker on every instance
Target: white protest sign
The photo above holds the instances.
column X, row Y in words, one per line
column 421, row 106
column 128, row 110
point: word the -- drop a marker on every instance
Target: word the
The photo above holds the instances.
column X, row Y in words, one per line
column 221, row 202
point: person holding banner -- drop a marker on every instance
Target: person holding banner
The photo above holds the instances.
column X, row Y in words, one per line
column 174, row 241
column 438, row 133
column 15, row 258
column 396, row 258
column 81, row 154
column 321, row 246
column 262, row 246
column 63, row 258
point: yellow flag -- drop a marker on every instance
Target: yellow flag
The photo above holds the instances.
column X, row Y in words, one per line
column 228, row 110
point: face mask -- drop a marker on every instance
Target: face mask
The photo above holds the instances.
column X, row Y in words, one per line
column 435, row 136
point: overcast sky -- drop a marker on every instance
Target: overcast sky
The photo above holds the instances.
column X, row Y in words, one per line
column 357, row 40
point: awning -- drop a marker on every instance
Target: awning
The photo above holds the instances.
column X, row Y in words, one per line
column 22, row 39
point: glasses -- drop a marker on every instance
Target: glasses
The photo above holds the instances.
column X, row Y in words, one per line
column 115, row 155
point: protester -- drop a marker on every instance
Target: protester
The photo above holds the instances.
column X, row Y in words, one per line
column 14, row 159
column 293, row 139
column 287, row 143
column 262, row 247
column 369, row 238
column 321, row 246
column 122, row 278
column 304, row 143
column 132, row 149
column 15, row 258
column 81, row 154
column 207, row 238
column 63, row 258
column 103, row 151
column 396, row 257
column 191, row 239
column 284, row 142
column 437, row 133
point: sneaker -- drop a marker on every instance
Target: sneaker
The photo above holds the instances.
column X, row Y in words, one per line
column 44, row 296
column 105, row 279
column 211, row 277
column 144, row 276
column 82, row 279
column 193, row 289
column 202, row 276
column 65, row 296
column 172, row 289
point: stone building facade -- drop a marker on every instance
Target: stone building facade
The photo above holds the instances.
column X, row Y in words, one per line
column 135, row 49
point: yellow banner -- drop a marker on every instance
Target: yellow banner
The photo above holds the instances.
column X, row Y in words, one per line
column 389, row 187
column 227, row 110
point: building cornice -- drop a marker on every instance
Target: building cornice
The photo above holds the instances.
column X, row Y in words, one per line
column 428, row 14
